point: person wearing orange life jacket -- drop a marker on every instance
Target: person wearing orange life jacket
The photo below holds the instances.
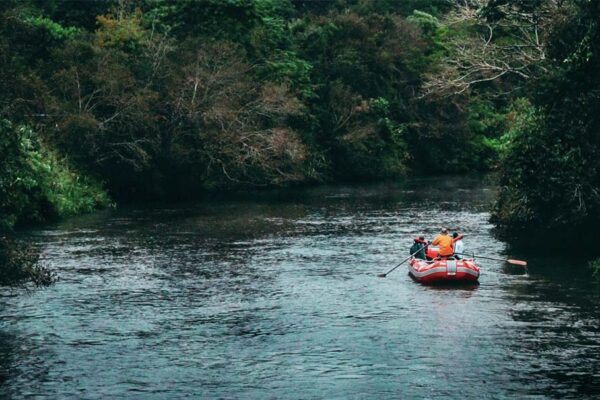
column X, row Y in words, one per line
column 444, row 242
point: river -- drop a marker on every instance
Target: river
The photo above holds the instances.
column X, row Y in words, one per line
column 276, row 295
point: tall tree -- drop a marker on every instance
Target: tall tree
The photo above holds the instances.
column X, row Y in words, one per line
column 550, row 177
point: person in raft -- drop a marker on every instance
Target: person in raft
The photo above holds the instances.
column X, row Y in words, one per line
column 444, row 242
column 418, row 248
column 459, row 246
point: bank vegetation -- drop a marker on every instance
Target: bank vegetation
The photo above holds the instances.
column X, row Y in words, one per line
column 109, row 101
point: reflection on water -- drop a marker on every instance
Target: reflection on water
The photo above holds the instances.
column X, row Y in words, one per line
column 275, row 295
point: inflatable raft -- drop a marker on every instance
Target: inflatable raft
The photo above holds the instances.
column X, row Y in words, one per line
column 443, row 270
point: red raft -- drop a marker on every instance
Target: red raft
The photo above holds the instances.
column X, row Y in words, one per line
column 443, row 270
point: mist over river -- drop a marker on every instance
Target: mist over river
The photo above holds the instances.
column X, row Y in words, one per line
column 276, row 295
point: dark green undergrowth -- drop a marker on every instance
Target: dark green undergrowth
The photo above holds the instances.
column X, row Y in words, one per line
column 19, row 265
column 35, row 186
column 550, row 174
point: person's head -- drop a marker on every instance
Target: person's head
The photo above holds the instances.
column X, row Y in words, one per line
column 455, row 235
column 444, row 231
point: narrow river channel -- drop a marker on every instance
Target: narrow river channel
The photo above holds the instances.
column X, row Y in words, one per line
column 276, row 295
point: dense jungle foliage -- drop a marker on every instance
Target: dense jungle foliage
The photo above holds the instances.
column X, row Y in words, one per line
column 157, row 99
column 161, row 99
column 550, row 175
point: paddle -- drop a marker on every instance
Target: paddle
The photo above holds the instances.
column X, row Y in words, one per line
column 409, row 257
column 508, row 260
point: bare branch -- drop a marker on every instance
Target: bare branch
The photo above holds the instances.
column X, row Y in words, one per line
column 518, row 51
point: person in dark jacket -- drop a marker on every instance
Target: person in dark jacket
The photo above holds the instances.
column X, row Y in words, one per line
column 418, row 248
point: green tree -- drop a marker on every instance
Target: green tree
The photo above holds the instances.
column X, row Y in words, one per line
column 550, row 177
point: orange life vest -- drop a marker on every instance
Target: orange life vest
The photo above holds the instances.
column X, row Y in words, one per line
column 445, row 244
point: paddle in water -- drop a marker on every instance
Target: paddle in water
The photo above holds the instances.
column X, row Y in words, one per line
column 403, row 261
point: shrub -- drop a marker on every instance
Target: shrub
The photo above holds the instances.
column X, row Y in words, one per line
column 19, row 264
column 35, row 185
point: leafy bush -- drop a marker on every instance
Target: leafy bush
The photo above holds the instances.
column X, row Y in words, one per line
column 35, row 184
column 67, row 192
column 54, row 29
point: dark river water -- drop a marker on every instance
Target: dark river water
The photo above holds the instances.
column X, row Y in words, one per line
column 277, row 296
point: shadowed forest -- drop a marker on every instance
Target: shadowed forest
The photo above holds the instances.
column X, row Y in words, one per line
column 103, row 102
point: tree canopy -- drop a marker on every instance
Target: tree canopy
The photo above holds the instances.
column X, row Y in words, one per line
column 155, row 99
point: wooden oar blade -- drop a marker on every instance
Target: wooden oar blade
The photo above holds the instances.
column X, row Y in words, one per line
column 517, row 262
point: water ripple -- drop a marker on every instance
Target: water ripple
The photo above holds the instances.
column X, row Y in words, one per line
column 277, row 297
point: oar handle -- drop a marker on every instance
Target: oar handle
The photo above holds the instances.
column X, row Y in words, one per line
column 484, row 257
column 516, row 262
